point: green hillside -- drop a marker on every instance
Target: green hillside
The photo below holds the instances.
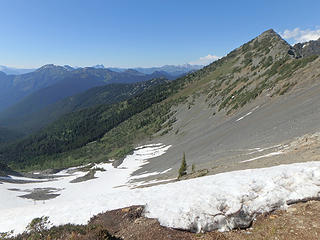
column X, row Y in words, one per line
column 259, row 67
column 107, row 94
column 77, row 129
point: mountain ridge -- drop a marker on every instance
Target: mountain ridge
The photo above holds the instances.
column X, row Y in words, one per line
column 307, row 48
column 14, row 88
column 175, row 70
column 14, row 71
column 258, row 72
column 30, row 121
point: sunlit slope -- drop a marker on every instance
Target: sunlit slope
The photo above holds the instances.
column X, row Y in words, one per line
column 197, row 113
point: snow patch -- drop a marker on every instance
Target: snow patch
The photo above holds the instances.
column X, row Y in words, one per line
column 231, row 200
column 263, row 156
column 219, row 202
column 17, row 178
column 249, row 113
column 150, row 174
column 79, row 201
column 258, row 150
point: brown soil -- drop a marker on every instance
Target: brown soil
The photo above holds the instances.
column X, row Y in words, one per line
column 300, row 221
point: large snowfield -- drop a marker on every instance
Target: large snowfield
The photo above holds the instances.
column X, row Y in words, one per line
column 223, row 201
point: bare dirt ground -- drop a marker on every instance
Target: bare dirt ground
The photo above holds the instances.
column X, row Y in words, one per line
column 300, row 221
column 211, row 140
column 301, row 149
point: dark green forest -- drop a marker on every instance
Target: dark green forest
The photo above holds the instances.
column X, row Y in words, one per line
column 101, row 132
column 79, row 128
column 35, row 120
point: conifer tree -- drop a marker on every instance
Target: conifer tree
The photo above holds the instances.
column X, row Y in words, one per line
column 183, row 167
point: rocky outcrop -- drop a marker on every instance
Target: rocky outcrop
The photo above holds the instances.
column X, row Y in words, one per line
column 305, row 49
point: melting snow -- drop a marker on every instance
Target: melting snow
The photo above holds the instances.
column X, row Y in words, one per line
column 150, row 174
column 263, row 156
column 223, row 201
column 247, row 114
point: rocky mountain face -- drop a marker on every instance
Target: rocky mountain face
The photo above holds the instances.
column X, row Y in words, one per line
column 305, row 49
column 258, row 96
column 215, row 115
column 257, row 107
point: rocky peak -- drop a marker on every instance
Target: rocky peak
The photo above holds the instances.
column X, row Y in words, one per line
column 47, row 66
column 69, row 68
column 307, row 48
column 273, row 37
column 50, row 67
column 269, row 32
column 99, row 66
column 267, row 44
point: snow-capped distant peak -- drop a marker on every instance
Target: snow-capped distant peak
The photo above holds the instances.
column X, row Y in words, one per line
column 99, row 66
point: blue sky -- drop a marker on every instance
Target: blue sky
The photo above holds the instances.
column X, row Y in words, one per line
column 131, row 33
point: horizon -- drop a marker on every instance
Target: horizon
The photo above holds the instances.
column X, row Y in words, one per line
column 164, row 120
column 143, row 34
column 105, row 67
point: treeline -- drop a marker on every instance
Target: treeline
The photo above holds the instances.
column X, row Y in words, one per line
column 65, row 142
column 77, row 129
column 20, row 117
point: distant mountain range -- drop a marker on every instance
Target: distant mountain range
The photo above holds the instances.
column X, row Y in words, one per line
column 15, row 71
column 175, row 70
column 14, row 87
column 260, row 94
column 53, row 83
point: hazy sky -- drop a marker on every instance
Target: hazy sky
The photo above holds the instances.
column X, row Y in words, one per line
column 143, row 33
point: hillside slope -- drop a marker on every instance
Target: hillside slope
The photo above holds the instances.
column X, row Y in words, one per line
column 203, row 114
column 14, row 87
column 307, row 48
column 214, row 115
column 30, row 121
column 32, row 91
column 7, row 135
column 79, row 128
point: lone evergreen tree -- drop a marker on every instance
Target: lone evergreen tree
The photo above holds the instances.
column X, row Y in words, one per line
column 183, row 167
